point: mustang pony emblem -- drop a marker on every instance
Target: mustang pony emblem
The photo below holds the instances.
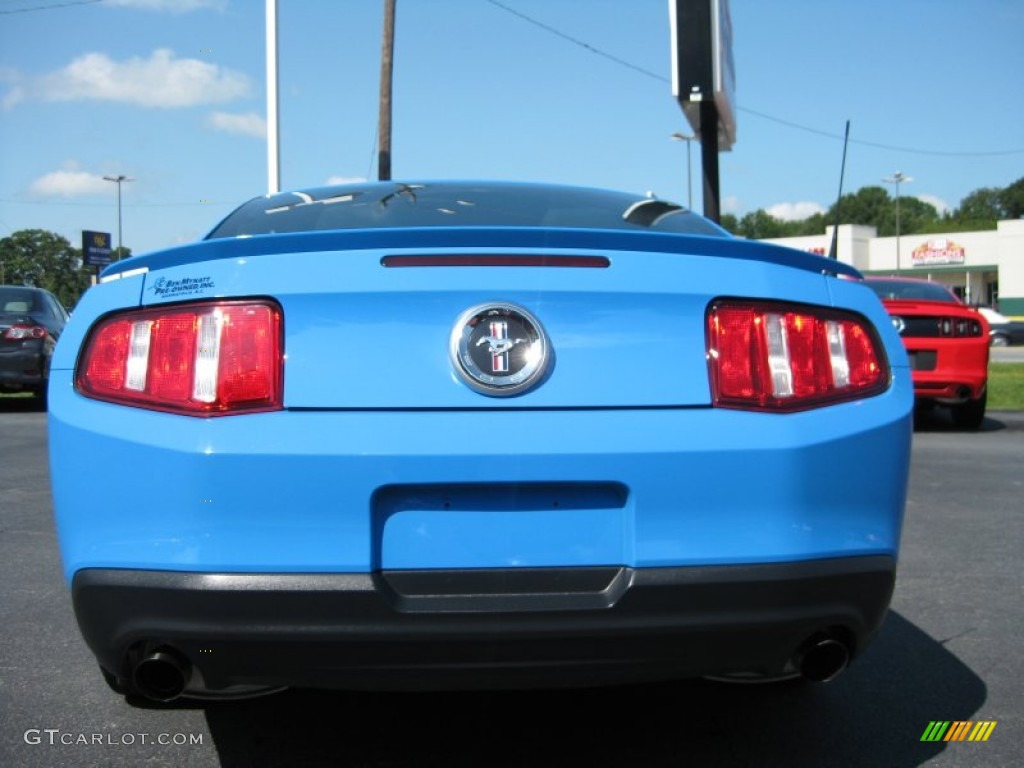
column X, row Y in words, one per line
column 499, row 349
column 499, row 345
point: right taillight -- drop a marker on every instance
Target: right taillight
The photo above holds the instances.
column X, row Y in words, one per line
column 783, row 357
column 959, row 326
column 197, row 359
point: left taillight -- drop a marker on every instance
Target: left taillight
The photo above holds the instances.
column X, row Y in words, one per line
column 783, row 357
column 195, row 359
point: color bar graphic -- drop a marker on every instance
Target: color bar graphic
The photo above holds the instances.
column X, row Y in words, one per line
column 958, row 730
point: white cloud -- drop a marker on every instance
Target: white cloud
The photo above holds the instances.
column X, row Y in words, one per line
column 731, row 204
column 13, row 96
column 11, row 77
column 940, row 205
column 248, row 124
column 159, row 81
column 173, row 6
column 69, row 182
column 794, row 211
column 331, row 180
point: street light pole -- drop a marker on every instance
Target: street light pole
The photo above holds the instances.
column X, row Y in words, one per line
column 897, row 179
column 689, row 175
column 119, row 179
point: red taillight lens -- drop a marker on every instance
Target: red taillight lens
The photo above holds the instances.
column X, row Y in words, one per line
column 783, row 357
column 20, row 332
column 198, row 359
column 959, row 326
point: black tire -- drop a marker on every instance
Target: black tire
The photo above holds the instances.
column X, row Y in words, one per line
column 999, row 340
column 971, row 414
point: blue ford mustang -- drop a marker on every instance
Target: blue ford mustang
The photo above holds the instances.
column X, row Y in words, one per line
column 440, row 434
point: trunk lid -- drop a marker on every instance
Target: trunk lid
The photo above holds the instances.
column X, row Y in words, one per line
column 361, row 335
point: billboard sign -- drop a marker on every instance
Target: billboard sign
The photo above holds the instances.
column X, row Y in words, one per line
column 703, row 66
column 96, row 250
column 938, row 251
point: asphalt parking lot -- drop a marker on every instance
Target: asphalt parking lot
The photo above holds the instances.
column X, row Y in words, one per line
column 949, row 650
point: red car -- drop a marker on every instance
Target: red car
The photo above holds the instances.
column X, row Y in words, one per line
column 947, row 343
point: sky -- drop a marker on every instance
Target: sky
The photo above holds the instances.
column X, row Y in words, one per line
column 171, row 93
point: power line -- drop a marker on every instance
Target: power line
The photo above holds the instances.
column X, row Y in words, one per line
column 56, row 203
column 789, row 123
column 877, row 145
column 50, row 7
column 575, row 41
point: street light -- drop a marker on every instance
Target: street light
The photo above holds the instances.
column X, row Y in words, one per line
column 118, row 180
column 689, row 178
column 897, row 179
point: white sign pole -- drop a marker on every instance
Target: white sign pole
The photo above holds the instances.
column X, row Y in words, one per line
column 273, row 148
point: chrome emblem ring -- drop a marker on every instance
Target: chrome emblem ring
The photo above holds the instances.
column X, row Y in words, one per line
column 499, row 349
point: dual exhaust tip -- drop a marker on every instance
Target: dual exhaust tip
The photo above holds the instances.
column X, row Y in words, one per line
column 822, row 658
column 161, row 674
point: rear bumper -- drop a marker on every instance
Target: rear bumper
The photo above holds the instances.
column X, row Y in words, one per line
column 359, row 492
column 24, row 366
column 949, row 370
column 480, row 628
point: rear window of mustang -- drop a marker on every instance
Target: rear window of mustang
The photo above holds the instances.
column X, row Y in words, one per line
column 389, row 205
column 912, row 290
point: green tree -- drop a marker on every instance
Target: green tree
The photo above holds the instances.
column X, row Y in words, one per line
column 868, row 206
column 983, row 204
column 813, row 225
column 1012, row 198
column 761, row 225
column 730, row 223
column 916, row 215
column 873, row 206
column 45, row 260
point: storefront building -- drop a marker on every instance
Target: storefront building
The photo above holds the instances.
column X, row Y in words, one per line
column 984, row 268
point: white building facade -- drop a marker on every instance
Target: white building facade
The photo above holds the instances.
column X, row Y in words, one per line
column 981, row 267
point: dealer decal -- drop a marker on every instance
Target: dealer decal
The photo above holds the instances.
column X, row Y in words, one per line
column 166, row 288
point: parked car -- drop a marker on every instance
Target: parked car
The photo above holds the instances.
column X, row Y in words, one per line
column 31, row 321
column 947, row 343
column 441, row 434
column 1003, row 331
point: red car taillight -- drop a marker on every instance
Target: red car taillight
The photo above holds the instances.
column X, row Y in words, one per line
column 959, row 326
column 784, row 357
column 197, row 359
column 22, row 331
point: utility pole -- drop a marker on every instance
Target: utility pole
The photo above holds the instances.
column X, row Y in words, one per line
column 387, row 60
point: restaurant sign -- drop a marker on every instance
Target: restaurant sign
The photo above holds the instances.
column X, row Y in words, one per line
column 938, row 250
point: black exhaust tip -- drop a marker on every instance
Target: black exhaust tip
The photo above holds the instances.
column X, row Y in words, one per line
column 161, row 675
column 822, row 658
